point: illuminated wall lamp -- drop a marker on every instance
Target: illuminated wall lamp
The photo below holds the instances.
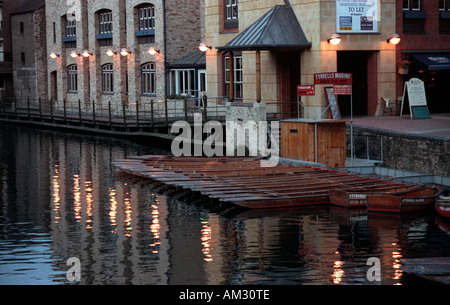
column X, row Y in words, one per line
column 74, row 54
column 394, row 39
column 153, row 51
column 54, row 55
column 125, row 52
column 86, row 53
column 204, row 47
column 110, row 52
column 335, row 39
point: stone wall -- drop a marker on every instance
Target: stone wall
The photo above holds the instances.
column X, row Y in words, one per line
column 408, row 152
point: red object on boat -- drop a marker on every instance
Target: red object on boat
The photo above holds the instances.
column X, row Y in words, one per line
column 401, row 202
column 442, row 205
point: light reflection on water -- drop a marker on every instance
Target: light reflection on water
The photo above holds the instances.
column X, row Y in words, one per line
column 60, row 198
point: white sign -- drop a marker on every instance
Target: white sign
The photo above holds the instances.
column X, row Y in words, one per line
column 357, row 16
column 414, row 92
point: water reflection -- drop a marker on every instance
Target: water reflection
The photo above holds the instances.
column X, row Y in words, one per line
column 61, row 198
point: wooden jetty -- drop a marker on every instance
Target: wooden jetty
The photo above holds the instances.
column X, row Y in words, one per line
column 243, row 182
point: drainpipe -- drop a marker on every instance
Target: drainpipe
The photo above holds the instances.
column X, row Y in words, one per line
column 165, row 52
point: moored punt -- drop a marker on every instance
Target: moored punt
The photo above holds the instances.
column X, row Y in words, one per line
column 356, row 197
column 442, row 205
column 401, row 202
column 244, row 182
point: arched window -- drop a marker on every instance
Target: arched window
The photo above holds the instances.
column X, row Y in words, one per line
column 146, row 17
column 72, row 79
column 148, row 76
column 105, row 22
column 107, row 79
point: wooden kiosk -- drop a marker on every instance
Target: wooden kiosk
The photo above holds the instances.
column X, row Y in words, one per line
column 320, row 141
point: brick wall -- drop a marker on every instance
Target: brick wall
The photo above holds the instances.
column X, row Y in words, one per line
column 430, row 40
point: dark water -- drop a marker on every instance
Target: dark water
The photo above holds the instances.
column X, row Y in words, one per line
column 61, row 198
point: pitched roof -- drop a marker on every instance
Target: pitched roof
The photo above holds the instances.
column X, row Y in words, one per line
column 194, row 59
column 29, row 6
column 278, row 28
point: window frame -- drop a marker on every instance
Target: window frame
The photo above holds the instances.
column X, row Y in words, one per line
column 72, row 78
column 146, row 17
column 107, row 78
column 70, row 28
column 183, row 82
column 105, row 22
column 446, row 4
column 238, row 81
column 411, row 6
column 230, row 14
column 148, row 79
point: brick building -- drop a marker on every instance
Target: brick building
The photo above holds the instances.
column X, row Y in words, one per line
column 6, row 68
column 424, row 27
column 273, row 46
column 28, row 50
column 117, row 51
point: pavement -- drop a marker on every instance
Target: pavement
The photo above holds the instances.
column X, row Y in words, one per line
column 437, row 126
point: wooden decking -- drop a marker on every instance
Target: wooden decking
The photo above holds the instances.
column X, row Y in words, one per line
column 243, row 182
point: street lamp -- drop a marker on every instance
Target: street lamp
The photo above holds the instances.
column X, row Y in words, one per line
column 124, row 52
column 110, row 52
column 74, row 54
column 54, row 55
column 86, row 53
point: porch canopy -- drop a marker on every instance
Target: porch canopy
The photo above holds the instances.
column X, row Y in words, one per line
column 277, row 30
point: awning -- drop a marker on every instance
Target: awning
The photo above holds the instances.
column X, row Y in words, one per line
column 434, row 61
column 279, row 28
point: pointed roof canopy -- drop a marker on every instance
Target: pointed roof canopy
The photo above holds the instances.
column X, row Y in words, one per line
column 279, row 28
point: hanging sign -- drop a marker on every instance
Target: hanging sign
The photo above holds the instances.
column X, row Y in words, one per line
column 414, row 93
column 333, row 78
column 306, row 90
column 342, row 89
column 357, row 16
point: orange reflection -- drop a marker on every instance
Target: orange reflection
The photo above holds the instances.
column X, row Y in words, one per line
column 55, row 193
column 396, row 255
column 113, row 202
column 338, row 273
column 128, row 218
column 206, row 238
column 89, row 201
column 155, row 227
column 77, row 197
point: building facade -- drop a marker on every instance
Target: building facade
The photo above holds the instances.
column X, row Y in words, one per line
column 424, row 27
column 262, row 43
column 28, row 49
column 115, row 53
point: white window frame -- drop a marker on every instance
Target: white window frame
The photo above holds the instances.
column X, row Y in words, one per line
column 148, row 77
column 183, row 82
column 146, row 16
column 108, row 79
column 238, row 75
column 72, row 79
column 202, row 82
column 70, row 28
column 231, row 9
column 105, row 22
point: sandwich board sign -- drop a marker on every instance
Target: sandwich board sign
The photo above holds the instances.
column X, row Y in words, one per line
column 414, row 93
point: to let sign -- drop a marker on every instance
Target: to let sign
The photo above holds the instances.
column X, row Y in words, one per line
column 333, row 78
column 306, row 90
column 342, row 89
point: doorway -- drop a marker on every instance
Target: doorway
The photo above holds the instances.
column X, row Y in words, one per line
column 360, row 64
column 289, row 79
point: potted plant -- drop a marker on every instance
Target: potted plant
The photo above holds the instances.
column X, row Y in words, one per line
column 403, row 66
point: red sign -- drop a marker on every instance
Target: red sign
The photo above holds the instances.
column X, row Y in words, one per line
column 342, row 89
column 332, row 78
column 306, row 90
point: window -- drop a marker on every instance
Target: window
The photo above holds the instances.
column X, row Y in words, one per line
column 22, row 57
column 202, row 81
column 72, row 79
column 237, row 75
column 231, row 14
column 105, row 22
column 22, row 27
column 148, row 76
column 444, row 5
column 182, row 82
column 71, row 28
column 146, row 18
column 413, row 5
column 107, row 79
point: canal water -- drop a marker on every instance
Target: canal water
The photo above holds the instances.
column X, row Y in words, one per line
column 61, row 199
